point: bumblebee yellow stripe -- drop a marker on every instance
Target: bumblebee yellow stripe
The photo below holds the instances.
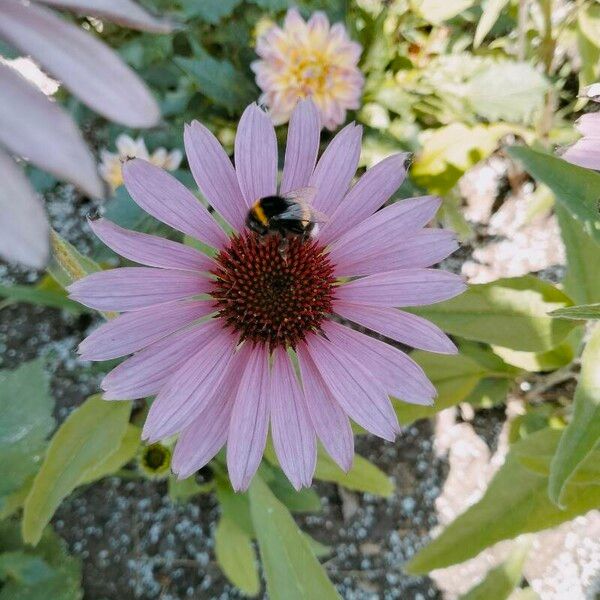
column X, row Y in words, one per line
column 259, row 213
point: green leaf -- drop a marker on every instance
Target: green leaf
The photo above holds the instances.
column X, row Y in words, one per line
column 510, row 91
column 33, row 295
column 582, row 434
column 454, row 377
column 234, row 506
column 537, row 362
column 24, row 568
column 588, row 18
column 304, row 500
column 500, row 582
column 515, row 502
column 489, row 392
column 181, row 490
column 438, row 11
column 291, row 569
column 26, row 407
column 582, row 311
column 211, row 11
column 124, row 453
column 64, row 575
column 576, row 188
column 512, row 313
column 67, row 263
column 364, row 476
column 236, row 557
column 219, row 81
column 89, row 435
column 582, row 281
column 490, row 15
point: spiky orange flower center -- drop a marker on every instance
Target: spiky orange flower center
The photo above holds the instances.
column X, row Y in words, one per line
column 273, row 291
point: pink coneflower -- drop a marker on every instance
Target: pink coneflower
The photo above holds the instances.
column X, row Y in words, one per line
column 309, row 59
column 586, row 151
column 215, row 339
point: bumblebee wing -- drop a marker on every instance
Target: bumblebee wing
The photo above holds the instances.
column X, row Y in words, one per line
column 300, row 206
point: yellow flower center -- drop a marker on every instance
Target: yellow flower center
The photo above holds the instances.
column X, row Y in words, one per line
column 311, row 73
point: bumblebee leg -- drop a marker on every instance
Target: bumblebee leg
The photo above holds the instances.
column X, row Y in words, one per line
column 283, row 246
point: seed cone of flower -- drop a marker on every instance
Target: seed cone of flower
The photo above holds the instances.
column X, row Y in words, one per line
column 216, row 339
column 309, row 59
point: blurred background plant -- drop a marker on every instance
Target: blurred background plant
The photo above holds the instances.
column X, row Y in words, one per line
column 485, row 94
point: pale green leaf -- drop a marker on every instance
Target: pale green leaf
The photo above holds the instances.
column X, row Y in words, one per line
column 304, row 500
column 499, row 583
column 26, row 407
column 438, row 11
column 364, row 476
column 236, row 557
column 582, row 311
column 489, row 16
column 582, row 434
column 125, row 452
column 582, row 281
column 234, row 506
column 454, row 378
column 537, row 362
column 90, row 434
column 515, row 502
column 33, row 295
column 510, row 91
column 182, row 490
column 291, row 569
column 588, row 18
column 512, row 313
column 68, row 264
column 575, row 188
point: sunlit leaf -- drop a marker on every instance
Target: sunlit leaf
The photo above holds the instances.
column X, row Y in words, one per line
column 512, row 313
column 26, row 407
column 582, row 434
column 489, row 16
column 499, row 583
column 89, row 435
column 575, row 188
column 515, row 502
column 438, row 11
column 291, row 569
column 236, row 557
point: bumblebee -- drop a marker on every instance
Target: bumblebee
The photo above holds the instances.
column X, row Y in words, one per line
column 288, row 214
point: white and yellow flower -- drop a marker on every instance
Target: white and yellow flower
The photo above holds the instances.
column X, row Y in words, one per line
column 305, row 59
column 111, row 162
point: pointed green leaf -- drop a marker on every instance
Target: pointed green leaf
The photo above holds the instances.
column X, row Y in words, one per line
column 235, row 555
column 576, row 188
column 508, row 312
column 582, row 434
column 33, row 295
column 90, row 434
column 490, row 15
column 68, row 264
column 291, row 569
column 515, row 502
column 500, row 582
column 364, row 476
column 582, row 311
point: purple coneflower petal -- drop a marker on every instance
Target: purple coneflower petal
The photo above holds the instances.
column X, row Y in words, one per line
column 23, row 223
column 131, row 288
column 91, row 70
column 150, row 250
column 422, row 249
column 399, row 374
column 329, row 420
column 407, row 287
column 302, row 146
column 169, row 201
column 147, row 371
column 293, row 434
column 122, row 12
column 335, row 169
column 369, row 193
column 388, row 227
column 135, row 330
column 256, row 155
column 398, row 325
column 584, row 153
column 190, row 389
column 247, row 435
column 37, row 129
column 214, row 174
column 207, row 434
column 353, row 386
column 589, row 124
